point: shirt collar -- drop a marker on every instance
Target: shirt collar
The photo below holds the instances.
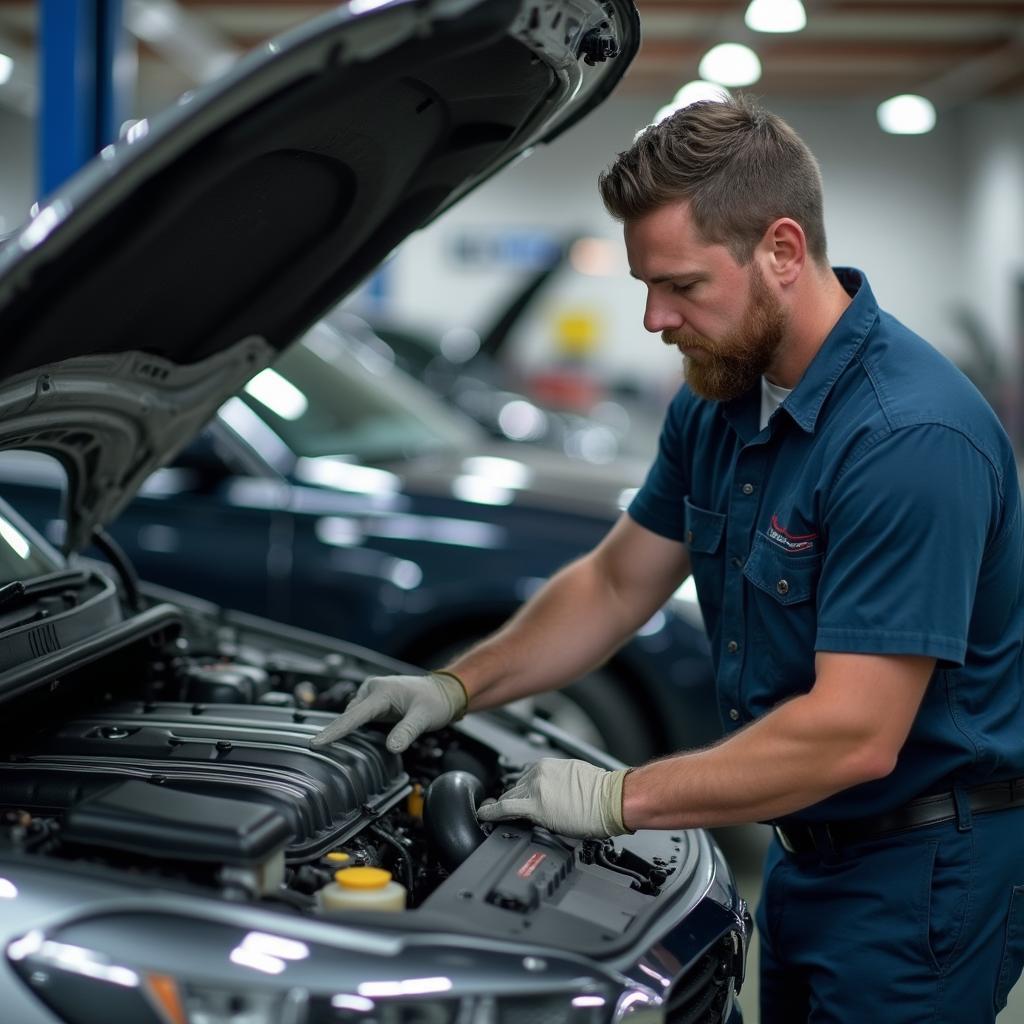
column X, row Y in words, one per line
column 838, row 348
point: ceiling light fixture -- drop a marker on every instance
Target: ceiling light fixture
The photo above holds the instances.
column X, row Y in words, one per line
column 775, row 16
column 730, row 64
column 697, row 90
column 906, row 115
column 692, row 92
column 6, row 68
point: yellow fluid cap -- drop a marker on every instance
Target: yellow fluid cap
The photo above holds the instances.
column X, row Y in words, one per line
column 362, row 878
column 414, row 805
column 337, row 857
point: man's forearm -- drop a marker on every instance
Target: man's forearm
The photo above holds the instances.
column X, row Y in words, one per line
column 795, row 756
column 575, row 622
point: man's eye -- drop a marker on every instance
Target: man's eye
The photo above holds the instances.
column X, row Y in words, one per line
column 681, row 289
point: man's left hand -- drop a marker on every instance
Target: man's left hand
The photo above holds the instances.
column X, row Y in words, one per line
column 574, row 798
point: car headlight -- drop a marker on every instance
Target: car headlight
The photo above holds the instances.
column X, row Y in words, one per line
column 85, row 986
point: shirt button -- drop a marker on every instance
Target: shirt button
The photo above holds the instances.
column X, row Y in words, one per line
column 747, row 488
column 782, row 587
column 738, row 562
column 732, row 647
column 689, row 536
column 734, row 714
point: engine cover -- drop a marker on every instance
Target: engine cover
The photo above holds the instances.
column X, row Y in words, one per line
column 249, row 753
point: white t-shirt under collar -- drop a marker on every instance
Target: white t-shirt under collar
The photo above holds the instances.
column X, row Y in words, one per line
column 772, row 396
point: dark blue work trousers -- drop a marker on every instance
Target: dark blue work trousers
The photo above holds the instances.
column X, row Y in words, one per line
column 925, row 926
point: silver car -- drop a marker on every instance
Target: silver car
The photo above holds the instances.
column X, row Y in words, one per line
column 171, row 849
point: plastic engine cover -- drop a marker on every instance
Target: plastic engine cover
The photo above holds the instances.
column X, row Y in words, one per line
column 251, row 754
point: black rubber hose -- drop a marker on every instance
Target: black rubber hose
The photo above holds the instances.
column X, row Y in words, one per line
column 449, row 817
column 602, row 858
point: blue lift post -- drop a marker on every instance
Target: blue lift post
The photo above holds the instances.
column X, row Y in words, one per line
column 84, row 99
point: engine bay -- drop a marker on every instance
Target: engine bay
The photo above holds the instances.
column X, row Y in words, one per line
column 183, row 759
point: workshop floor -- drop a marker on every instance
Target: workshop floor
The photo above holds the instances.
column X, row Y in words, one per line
column 745, row 847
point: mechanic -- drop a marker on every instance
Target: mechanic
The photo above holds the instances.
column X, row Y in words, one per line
column 849, row 507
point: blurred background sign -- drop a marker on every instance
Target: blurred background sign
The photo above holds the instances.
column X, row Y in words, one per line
column 509, row 248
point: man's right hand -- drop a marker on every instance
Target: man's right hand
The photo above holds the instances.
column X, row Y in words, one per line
column 418, row 703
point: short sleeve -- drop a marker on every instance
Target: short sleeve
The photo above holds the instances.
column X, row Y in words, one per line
column 907, row 525
column 658, row 505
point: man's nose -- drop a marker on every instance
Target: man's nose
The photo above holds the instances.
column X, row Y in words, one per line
column 659, row 316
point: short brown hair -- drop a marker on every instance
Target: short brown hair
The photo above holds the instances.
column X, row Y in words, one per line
column 739, row 166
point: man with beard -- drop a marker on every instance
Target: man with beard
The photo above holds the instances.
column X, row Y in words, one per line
column 849, row 508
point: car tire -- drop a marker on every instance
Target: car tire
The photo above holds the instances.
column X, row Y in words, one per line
column 607, row 716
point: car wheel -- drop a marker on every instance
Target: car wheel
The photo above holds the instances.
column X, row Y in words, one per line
column 598, row 709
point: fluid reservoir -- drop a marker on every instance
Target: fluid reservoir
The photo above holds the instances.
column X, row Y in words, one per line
column 363, row 889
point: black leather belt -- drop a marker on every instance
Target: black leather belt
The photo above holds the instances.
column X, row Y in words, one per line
column 831, row 837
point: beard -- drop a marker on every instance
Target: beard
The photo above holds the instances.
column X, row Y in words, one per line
column 730, row 367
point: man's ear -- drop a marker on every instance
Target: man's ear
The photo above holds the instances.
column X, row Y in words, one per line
column 784, row 250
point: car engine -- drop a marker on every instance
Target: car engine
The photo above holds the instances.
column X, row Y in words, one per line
column 187, row 756
column 174, row 758
column 207, row 776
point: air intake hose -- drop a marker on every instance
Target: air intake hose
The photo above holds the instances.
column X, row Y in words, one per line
column 449, row 816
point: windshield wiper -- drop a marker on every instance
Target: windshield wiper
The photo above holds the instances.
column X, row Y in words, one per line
column 21, row 592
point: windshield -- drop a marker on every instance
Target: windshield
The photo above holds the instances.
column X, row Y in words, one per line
column 327, row 395
column 23, row 554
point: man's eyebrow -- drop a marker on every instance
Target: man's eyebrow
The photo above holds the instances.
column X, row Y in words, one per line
column 691, row 276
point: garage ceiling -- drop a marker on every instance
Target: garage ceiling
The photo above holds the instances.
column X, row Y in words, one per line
column 953, row 51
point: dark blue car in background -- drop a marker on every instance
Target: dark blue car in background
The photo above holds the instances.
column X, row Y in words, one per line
column 338, row 494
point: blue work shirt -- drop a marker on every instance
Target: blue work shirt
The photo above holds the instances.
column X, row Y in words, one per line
column 878, row 512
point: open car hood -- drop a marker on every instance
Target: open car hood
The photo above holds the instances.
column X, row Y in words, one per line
column 180, row 261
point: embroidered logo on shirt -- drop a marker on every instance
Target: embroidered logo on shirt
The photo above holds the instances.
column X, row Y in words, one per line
column 790, row 541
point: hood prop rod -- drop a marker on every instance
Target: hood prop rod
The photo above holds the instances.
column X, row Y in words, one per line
column 114, row 554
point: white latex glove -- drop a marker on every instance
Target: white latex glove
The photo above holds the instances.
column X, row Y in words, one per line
column 574, row 798
column 418, row 703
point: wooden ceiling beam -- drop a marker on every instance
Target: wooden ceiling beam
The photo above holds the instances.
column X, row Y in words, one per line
column 868, row 51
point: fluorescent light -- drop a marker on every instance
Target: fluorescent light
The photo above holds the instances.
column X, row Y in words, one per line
column 6, row 68
column 14, row 538
column 280, row 396
column 906, row 115
column 731, row 64
column 338, row 531
column 503, row 472
column 776, row 16
column 483, row 492
column 328, row 471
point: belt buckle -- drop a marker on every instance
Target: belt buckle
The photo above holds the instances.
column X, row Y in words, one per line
column 783, row 839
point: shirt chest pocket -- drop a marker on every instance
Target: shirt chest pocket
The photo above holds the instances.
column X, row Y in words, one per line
column 782, row 618
column 789, row 579
column 704, row 532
